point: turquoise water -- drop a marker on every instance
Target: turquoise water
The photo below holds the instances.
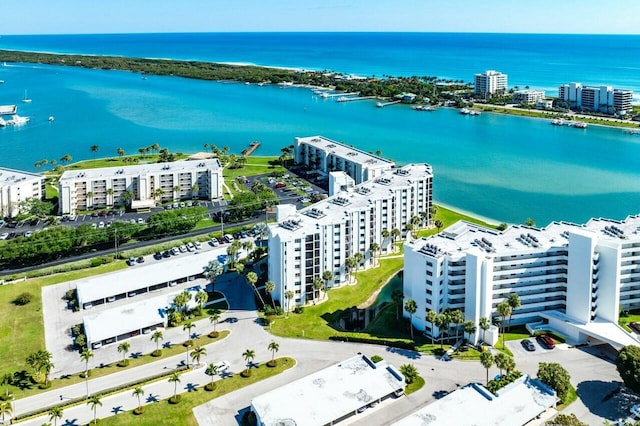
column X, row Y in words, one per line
column 502, row 167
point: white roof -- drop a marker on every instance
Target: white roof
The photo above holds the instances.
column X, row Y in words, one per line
column 141, row 169
column 329, row 394
column 143, row 275
column 9, row 177
column 133, row 316
column 345, row 151
column 474, row 405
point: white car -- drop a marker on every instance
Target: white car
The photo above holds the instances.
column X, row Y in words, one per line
column 140, row 221
column 190, row 246
column 213, row 242
column 197, row 245
column 222, row 366
column 182, row 248
column 4, row 236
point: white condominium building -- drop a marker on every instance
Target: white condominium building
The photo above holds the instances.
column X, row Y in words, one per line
column 572, row 278
column 528, row 96
column 490, row 82
column 326, row 155
column 144, row 184
column 321, row 237
column 604, row 99
column 15, row 187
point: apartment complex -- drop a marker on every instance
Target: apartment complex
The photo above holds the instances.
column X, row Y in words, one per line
column 490, row 82
column 17, row 186
column 325, row 155
column 303, row 244
column 576, row 277
column 603, row 99
column 141, row 185
column 528, row 96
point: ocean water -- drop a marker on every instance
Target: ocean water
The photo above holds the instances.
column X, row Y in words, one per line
column 501, row 167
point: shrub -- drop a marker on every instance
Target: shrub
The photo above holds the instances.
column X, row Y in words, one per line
column 392, row 343
column 123, row 363
column 214, row 334
column 174, row 399
column 70, row 294
column 555, row 376
column 138, row 410
column 156, row 353
column 376, row 358
column 44, row 385
column 23, row 299
column 298, row 309
column 246, row 373
column 495, row 385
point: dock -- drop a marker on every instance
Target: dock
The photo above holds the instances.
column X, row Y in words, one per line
column 326, row 95
column 252, row 147
column 357, row 98
column 384, row 104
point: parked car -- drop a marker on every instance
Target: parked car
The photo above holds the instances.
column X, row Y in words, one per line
column 4, row 236
column 182, row 248
column 214, row 242
column 175, row 251
column 140, row 259
column 281, row 185
column 166, row 254
column 190, row 246
column 635, row 326
column 131, row 261
column 546, row 341
column 157, row 255
column 140, row 221
column 228, row 238
column 528, row 345
column 222, row 366
column 197, row 245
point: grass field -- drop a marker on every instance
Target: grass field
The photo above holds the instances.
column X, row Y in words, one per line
column 254, row 166
column 448, row 218
column 181, row 414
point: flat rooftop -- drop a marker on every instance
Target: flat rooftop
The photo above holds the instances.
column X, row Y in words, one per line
column 329, row 394
column 10, row 177
column 462, row 236
column 474, row 405
column 143, row 275
column 139, row 169
column 345, row 151
column 332, row 210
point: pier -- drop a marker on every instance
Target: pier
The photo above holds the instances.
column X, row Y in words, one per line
column 384, row 104
column 358, row 98
column 326, row 95
column 252, row 147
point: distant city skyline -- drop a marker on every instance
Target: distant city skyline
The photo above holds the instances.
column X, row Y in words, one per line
column 516, row 16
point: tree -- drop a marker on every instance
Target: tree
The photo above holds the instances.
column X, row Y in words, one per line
column 469, row 327
column 318, row 285
column 214, row 317
column 374, row 248
column 176, row 189
column 273, row 347
column 187, row 326
column 90, row 195
column 411, row 307
column 35, row 208
column 94, row 402
column 628, row 365
column 501, row 360
column 94, row 149
column 327, row 276
column 485, row 325
column 269, row 287
column 438, row 223
column 65, row 159
column 431, row 318
column 457, row 318
column 566, row 420
column 248, row 356
column 410, row 372
column 486, row 359
column 124, row 348
column 529, row 222
column 212, row 371
column 288, row 295
column 504, row 310
column 47, row 366
column 156, row 337
column 37, row 362
column 158, row 194
column 110, row 193
column 120, row 152
column 252, row 279
column 5, row 409
column 442, row 321
column 138, row 392
column 351, row 263
column 175, row 379
column 395, row 234
column 554, row 375
column 201, row 298
column 385, row 234
column 55, row 413
column 85, row 356
column 5, row 380
column 197, row 353
column 212, row 271
column 397, row 296
column 514, row 302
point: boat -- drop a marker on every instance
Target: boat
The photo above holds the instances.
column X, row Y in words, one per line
column 51, row 118
column 633, row 132
column 474, row 112
column 579, row 125
column 465, row 111
column 18, row 120
column 324, row 95
column 1, row 81
column 26, row 100
column 8, row 109
column 2, row 122
column 557, row 122
column 379, row 104
column 342, row 99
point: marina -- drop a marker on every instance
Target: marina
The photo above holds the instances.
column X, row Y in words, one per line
column 569, row 123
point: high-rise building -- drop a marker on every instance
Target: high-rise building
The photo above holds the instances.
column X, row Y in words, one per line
column 603, row 99
column 490, row 82
column 17, row 186
column 319, row 238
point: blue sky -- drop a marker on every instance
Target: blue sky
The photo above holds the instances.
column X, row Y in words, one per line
column 125, row 16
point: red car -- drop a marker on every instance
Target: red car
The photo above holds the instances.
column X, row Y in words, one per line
column 546, row 341
column 281, row 185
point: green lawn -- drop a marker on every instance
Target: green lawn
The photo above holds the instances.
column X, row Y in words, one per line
column 466, row 353
column 254, row 166
column 417, row 384
column 181, row 414
column 448, row 218
column 516, row 333
column 624, row 321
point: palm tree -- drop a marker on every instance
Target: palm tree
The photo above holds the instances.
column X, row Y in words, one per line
column 432, row 316
column 359, row 257
column 201, row 298
column 504, row 310
column 501, row 361
column 438, row 223
column 187, row 326
column 156, row 337
column 469, row 327
column 442, row 321
column 457, row 318
column 194, row 190
column 288, row 295
column 175, row 379
column 120, row 152
column 514, row 302
column 85, row 356
column 351, row 263
column 94, row 149
column 273, row 347
column 485, row 325
column 214, row 317
column 90, row 195
column 248, row 356
column 124, row 348
column 317, row 286
column 138, row 392
column 212, row 370
column 47, row 366
column 94, row 402
column 486, row 359
column 374, row 248
column 327, row 276
column 65, row 159
column 55, row 413
column 110, row 194
column 5, row 380
column 158, row 194
column 252, row 279
column 212, row 271
column 397, row 296
column 395, row 233
column 411, row 307
column 176, row 189
column 197, row 353
column 269, row 287
column 385, row 234
column 5, row 409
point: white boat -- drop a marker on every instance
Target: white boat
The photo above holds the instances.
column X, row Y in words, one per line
column 464, row 111
column 51, row 118
column 342, row 99
column 1, row 81
column 379, row 104
column 17, row 120
column 580, row 125
column 474, row 112
column 324, row 95
column 26, row 100
column 2, row 122
column 557, row 122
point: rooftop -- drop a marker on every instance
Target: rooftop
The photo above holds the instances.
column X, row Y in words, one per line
column 329, row 394
column 136, row 170
column 10, row 177
column 344, row 151
column 473, row 405
column 336, row 208
column 463, row 236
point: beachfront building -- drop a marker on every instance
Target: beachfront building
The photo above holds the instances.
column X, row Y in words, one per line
column 544, row 104
column 528, row 96
column 575, row 279
column 304, row 244
column 330, row 395
column 325, row 155
column 17, row 186
column 490, row 83
column 142, row 185
column 604, row 99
